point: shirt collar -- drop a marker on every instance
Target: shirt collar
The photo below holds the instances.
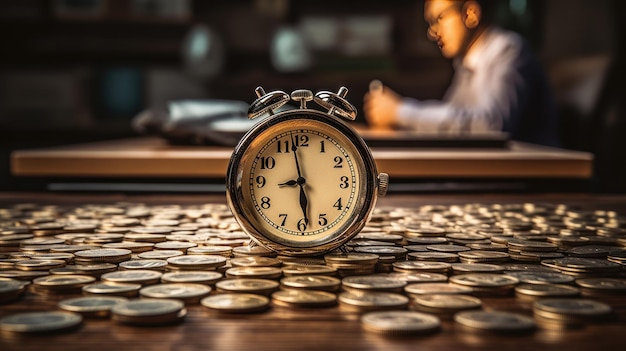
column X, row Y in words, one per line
column 473, row 59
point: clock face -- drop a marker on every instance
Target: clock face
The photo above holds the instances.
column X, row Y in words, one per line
column 302, row 182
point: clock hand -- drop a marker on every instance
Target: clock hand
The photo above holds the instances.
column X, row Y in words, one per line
column 289, row 183
column 301, row 181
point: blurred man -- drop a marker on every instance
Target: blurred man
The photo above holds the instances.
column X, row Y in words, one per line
column 498, row 84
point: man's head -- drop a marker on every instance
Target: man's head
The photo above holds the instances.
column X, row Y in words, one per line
column 455, row 24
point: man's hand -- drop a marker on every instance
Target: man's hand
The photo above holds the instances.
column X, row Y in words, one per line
column 381, row 105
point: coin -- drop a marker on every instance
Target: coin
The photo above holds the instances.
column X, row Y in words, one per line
column 495, row 321
column 38, row 322
column 373, row 283
column 401, row 323
column 247, row 285
column 60, row 283
column 149, row 312
column 196, row 262
column 304, row 298
column 160, row 254
column 236, row 303
column 186, row 292
column 311, row 282
column 254, row 272
column 199, row 277
column 137, row 276
column 463, row 268
column 157, row 265
column 371, row 301
column 436, row 288
column 103, row 255
column 11, row 289
column 546, row 290
column 421, row 266
column 254, row 261
column 572, row 309
column 112, row 289
column 602, row 285
column 39, row 265
column 299, row 269
column 210, row 250
column 96, row 306
column 542, row 277
column 445, row 305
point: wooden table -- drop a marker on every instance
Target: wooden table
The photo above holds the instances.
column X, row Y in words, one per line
column 154, row 158
column 311, row 329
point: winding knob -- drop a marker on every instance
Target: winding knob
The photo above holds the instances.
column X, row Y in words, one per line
column 267, row 103
column 383, row 184
column 336, row 103
column 303, row 96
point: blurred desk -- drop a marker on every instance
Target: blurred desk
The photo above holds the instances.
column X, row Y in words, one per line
column 154, row 158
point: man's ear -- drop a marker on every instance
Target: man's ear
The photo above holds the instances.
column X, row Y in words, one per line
column 472, row 14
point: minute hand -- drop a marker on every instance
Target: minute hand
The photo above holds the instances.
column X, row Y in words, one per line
column 301, row 181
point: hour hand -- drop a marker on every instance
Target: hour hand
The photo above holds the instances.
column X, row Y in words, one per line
column 288, row 183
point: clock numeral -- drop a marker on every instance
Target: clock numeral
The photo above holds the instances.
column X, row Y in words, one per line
column 260, row 181
column 338, row 162
column 280, row 146
column 338, row 204
column 322, row 219
column 302, row 224
column 265, row 202
column 322, row 147
column 284, row 217
column 268, row 162
column 344, row 183
column 301, row 140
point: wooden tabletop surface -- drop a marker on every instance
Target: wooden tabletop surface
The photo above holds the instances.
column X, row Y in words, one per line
column 154, row 157
column 331, row 328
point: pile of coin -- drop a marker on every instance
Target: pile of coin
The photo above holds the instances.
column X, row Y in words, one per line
column 406, row 271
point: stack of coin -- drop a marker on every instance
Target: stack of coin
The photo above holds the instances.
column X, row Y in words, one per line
column 159, row 254
column 400, row 323
column 188, row 293
column 300, row 269
column 197, row 277
column 135, row 247
column 371, row 283
column 149, row 312
column 225, row 251
column 39, row 265
column 486, row 284
column 304, row 298
column 112, row 289
column 372, row 301
column 464, row 268
column 255, row 261
column 495, row 321
column 195, row 262
column 434, row 256
column 40, row 322
column 445, row 305
column 60, row 284
column 247, row 285
column 348, row 264
column 236, row 303
column 484, row 256
column 102, row 256
column 138, row 276
column 11, row 289
column 91, row 306
column 274, row 273
column 535, row 291
column 155, row 265
column 421, row 267
column 602, row 286
column 540, row 277
column 244, row 251
column 311, row 282
column 175, row 245
column 583, row 267
column 94, row 270
column 569, row 313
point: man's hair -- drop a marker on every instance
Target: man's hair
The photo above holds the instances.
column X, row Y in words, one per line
column 488, row 9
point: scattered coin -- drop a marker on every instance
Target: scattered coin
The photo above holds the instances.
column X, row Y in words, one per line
column 91, row 306
column 400, row 323
column 304, row 298
column 495, row 321
column 186, row 292
column 149, row 312
column 40, row 322
column 236, row 303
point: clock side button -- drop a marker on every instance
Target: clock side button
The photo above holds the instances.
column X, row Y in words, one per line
column 383, row 184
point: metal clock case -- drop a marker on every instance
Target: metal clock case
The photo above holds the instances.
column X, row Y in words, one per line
column 302, row 182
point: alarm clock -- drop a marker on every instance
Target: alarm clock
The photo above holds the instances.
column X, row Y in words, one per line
column 302, row 182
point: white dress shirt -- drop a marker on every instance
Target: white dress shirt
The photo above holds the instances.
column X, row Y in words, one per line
column 495, row 87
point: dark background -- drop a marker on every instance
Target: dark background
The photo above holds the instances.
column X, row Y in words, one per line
column 78, row 70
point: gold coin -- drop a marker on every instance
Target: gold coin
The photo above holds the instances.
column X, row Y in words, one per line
column 236, row 303
column 304, row 298
column 254, row 272
column 445, row 303
column 197, row 261
column 63, row 282
column 187, row 292
column 421, row 266
column 546, row 290
column 311, row 282
column 436, row 288
column 34, row 322
column 157, row 265
column 138, row 276
column 39, row 265
column 247, row 285
column 484, row 280
column 400, row 323
column 99, row 306
column 199, row 277
column 149, row 311
column 374, row 283
column 495, row 321
column 373, row 301
column 299, row 269
column 113, row 289
column 254, row 261
column 160, row 254
column 104, row 255
column 568, row 308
